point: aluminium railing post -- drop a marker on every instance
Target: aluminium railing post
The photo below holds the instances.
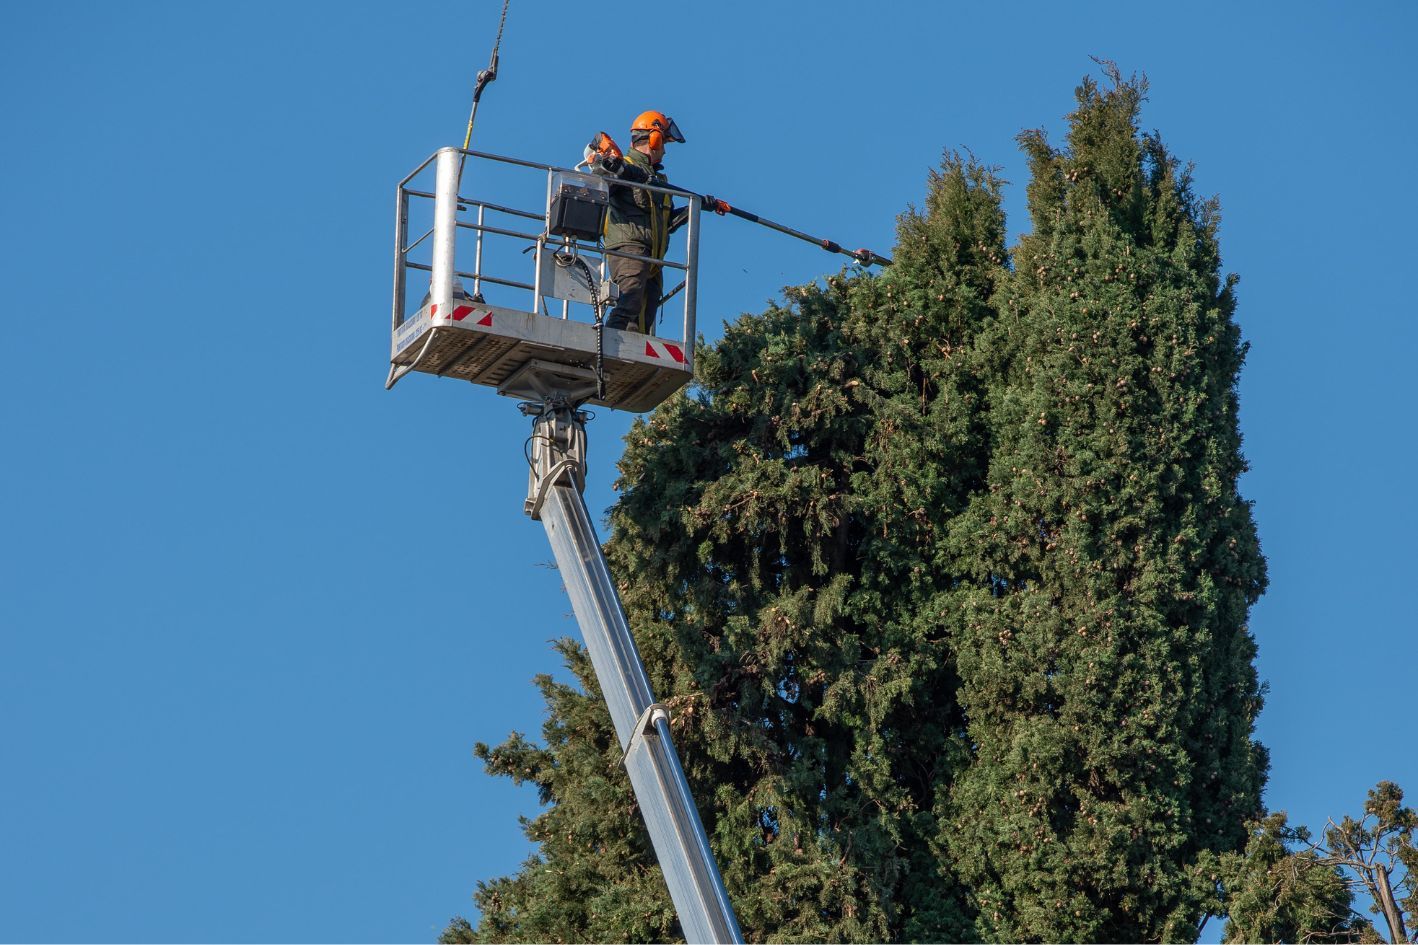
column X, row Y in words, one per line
column 691, row 282
column 401, row 237
column 537, row 302
column 478, row 255
column 565, row 303
column 445, row 232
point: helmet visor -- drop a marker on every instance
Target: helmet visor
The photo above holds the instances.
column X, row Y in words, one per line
column 672, row 132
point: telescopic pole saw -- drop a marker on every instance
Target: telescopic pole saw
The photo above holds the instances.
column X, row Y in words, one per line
column 484, row 77
column 864, row 256
column 603, row 149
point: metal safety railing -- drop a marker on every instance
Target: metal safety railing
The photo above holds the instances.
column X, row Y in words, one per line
column 460, row 212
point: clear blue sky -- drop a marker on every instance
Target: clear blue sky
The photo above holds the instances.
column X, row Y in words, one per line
column 254, row 610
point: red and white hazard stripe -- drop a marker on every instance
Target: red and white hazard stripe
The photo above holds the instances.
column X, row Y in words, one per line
column 666, row 350
column 461, row 312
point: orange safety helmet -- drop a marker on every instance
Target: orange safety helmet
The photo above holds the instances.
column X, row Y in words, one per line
column 657, row 128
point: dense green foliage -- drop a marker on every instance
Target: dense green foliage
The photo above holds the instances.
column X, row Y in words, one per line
column 1278, row 894
column 944, row 576
column 1106, row 668
column 1288, row 887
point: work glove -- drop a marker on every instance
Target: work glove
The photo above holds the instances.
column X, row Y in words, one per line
column 714, row 203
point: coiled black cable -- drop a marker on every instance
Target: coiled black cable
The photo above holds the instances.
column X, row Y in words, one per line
column 592, row 283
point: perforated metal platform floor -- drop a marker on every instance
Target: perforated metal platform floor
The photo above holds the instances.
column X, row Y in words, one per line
column 489, row 345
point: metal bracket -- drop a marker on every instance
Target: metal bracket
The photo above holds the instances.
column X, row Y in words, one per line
column 653, row 713
column 548, row 383
column 558, row 450
column 533, row 506
column 565, row 274
column 397, row 371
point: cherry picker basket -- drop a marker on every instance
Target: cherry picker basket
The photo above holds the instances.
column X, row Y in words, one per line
column 491, row 323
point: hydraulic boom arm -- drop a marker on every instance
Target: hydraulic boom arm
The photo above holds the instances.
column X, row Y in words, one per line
column 642, row 724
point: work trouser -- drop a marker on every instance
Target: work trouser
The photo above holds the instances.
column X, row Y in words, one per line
column 640, row 285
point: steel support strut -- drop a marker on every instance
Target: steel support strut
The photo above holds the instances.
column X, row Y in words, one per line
column 641, row 724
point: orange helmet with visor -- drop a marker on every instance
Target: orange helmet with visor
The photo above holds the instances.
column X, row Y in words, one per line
column 656, row 129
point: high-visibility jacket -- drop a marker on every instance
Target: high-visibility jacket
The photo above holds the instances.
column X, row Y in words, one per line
column 639, row 220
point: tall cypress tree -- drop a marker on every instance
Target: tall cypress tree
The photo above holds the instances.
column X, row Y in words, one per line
column 1105, row 662
column 779, row 545
column 944, row 575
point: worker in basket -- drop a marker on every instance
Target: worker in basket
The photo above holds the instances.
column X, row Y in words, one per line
column 640, row 221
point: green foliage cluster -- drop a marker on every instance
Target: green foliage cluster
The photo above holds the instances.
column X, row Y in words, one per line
column 1287, row 887
column 1276, row 893
column 944, row 576
column 1106, row 669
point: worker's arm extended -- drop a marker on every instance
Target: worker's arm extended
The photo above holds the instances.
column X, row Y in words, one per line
column 681, row 215
column 613, row 165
